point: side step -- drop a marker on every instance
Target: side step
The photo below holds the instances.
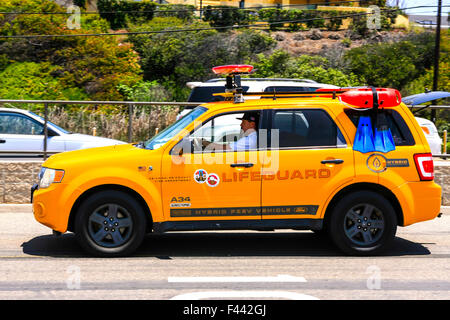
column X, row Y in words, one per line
column 259, row 225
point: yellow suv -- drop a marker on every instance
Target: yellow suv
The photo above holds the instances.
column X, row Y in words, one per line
column 282, row 161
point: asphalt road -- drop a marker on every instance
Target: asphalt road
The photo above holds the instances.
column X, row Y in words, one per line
column 34, row 264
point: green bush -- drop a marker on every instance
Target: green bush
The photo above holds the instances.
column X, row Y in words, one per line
column 4, row 61
column 275, row 17
column 359, row 24
column 299, row 19
column 305, row 19
column 335, row 21
column 120, row 13
column 223, row 16
column 180, row 11
column 35, row 81
column 314, row 19
column 145, row 91
column 115, row 11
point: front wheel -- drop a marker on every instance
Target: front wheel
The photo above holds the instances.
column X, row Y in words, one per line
column 363, row 223
column 110, row 223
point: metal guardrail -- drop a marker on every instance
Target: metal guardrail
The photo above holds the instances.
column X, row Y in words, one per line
column 131, row 105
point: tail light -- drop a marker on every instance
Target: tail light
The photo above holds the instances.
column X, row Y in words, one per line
column 425, row 166
column 426, row 130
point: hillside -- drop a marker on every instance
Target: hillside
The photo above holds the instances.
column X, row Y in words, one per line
column 316, row 42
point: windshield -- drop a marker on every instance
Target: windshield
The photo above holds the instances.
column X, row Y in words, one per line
column 168, row 133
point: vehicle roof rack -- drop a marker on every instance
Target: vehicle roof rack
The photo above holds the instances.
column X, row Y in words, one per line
column 331, row 93
column 265, row 79
column 359, row 98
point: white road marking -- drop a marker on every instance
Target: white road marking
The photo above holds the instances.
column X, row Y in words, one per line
column 279, row 278
column 243, row 294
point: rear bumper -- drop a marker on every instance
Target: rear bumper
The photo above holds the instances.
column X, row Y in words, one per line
column 420, row 201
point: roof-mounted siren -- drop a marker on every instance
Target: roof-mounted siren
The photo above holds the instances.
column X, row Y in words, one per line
column 371, row 98
column 233, row 78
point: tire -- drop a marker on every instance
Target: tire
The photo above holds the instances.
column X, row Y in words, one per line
column 362, row 223
column 110, row 224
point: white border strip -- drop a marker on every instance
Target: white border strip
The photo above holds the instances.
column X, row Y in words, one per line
column 243, row 294
column 279, row 278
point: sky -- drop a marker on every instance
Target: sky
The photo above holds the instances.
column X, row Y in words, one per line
column 422, row 11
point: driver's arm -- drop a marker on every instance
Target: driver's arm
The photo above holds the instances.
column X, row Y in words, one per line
column 213, row 146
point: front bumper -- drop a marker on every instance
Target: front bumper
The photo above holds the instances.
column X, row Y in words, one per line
column 33, row 189
column 50, row 207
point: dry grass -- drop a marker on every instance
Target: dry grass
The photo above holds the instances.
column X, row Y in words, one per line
column 145, row 121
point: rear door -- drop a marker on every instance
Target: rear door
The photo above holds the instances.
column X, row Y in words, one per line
column 313, row 162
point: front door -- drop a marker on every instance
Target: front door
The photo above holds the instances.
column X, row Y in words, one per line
column 212, row 183
column 21, row 133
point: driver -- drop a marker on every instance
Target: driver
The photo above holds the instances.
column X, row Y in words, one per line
column 248, row 138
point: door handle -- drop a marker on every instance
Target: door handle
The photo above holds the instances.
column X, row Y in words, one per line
column 335, row 161
column 245, row 165
column 2, row 141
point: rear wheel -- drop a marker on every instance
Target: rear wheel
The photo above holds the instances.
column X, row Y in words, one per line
column 363, row 223
column 110, row 223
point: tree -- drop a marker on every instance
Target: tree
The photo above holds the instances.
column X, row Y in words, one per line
column 391, row 64
column 93, row 65
column 281, row 64
column 173, row 59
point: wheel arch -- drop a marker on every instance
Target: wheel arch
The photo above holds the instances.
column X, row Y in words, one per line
column 369, row 187
column 105, row 187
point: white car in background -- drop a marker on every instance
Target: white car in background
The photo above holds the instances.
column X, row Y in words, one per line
column 203, row 91
column 421, row 100
column 432, row 135
column 22, row 131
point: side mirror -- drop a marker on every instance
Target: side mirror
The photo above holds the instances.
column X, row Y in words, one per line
column 184, row 145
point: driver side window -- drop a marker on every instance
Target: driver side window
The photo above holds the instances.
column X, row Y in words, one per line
column 223, row 129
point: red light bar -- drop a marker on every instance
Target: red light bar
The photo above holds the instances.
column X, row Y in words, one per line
column 233, row 69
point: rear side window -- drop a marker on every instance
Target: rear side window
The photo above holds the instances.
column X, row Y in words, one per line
column 399, row 129
column 306, row 128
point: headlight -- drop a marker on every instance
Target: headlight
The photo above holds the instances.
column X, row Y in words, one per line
column 49, row 176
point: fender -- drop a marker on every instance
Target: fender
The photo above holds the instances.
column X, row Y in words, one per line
column 359, row 183
column 148, row 190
